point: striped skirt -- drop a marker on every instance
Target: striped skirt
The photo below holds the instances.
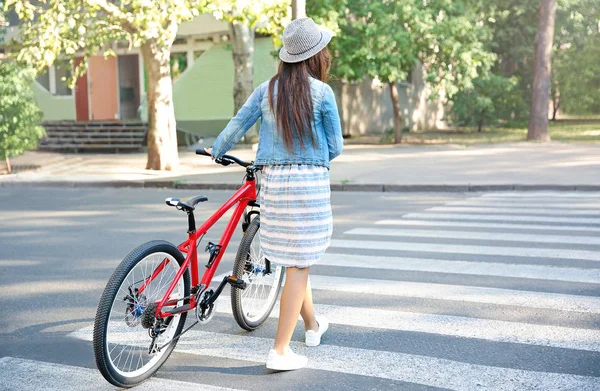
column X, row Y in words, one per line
column 295, row 214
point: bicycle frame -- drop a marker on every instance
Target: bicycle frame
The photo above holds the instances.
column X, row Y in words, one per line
column 242, row 197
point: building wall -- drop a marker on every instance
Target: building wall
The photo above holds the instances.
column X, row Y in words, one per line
column 203, row 94
column 54, row 107
column 366, row 107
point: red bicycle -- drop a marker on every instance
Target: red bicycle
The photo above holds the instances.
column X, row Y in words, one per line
column 144, row 306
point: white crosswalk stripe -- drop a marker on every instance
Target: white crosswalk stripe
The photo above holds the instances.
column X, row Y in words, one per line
column 475, row 294
column 532, row 238
column 555, row 278
column 542, row 196
column 516, row 226
column 457, row 326
column 515, row 210
column 503, row 218
column 388, row 365
column 32, row 375
column 481, row 202
column 469, row 249
column 556, row 273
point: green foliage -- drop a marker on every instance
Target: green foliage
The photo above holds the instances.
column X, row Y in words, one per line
column 386, row 40
column 491, row 99
column 66, row 28
column 578, row 73
column 20, row 117
column 266, row 16
column 576, row 57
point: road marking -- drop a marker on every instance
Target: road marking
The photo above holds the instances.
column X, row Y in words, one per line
column 431, row 371
column 455, row 326
column 29, row 375
column 478, row 202
column 510, row 237
column 473, row 294
column 431, row 223
column 539, row 272
column 497, row 217
column 468, row 249
column 543, row 195
column 513, row 210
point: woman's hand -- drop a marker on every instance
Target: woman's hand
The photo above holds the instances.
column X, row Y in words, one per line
column 209, row 150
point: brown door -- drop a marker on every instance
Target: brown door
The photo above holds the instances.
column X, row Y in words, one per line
column 82, row 112
column 103, row 87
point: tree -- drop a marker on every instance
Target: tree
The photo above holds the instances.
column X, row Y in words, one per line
column 245, row 18
column 538, row 115
column 387, row 39
column 54, row 29
column 575, row 57
column 298, row 9
column 20, row 117
column 577, row 73
column 491, row 99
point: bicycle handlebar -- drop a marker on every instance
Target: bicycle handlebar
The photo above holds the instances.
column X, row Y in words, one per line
column 225, row 160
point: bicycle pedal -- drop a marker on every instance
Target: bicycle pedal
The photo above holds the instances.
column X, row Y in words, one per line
column 236, row 282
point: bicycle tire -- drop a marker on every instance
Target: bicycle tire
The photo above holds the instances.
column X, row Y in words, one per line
column 242, row 258
column 101, row 350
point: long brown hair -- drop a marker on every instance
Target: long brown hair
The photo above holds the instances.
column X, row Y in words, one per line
column 294, row 109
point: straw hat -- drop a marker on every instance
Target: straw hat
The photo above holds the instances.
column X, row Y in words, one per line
column 302, row 39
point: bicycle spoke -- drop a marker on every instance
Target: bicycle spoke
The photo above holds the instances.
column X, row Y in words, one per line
column 127, row 341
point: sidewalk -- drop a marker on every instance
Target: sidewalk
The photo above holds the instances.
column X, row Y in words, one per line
column 518, row 166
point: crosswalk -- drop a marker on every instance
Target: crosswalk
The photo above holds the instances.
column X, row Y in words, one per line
column 499, row 291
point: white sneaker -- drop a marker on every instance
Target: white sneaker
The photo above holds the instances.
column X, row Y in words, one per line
column 313, row 338
column 287, row 362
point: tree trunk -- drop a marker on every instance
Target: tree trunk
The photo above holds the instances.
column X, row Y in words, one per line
column 298, row 9
column 555, row 99
column 479, row 126
column 162, row 132
column 8, row 166
column 397, row 114
column 538, row 117
column 242, row 49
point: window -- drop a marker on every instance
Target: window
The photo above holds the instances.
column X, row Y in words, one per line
column 63, row 71
column 198, row 53
column 44, row 80
column 178, row 64
column 56, row 86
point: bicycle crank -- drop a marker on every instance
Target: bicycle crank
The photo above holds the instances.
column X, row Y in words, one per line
column 205, row 310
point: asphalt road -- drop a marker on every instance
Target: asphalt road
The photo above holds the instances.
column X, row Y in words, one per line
column 424, row 291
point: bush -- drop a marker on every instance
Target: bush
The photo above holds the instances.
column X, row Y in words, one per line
column 20, row 116
column 491, row 100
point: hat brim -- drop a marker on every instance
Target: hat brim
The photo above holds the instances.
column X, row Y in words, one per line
column 292, row 58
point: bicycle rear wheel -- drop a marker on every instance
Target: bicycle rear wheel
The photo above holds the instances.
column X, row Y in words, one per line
column 253, row 305
column 124, row 326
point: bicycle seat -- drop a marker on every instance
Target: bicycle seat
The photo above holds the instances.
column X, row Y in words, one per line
column 187, row 204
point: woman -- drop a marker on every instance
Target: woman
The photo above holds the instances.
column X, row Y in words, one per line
column 300, row 134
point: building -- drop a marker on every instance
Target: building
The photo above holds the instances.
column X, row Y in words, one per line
column 202, row 67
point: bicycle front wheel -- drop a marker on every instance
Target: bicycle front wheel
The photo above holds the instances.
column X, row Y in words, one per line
column 125, row 325
column 253, row 305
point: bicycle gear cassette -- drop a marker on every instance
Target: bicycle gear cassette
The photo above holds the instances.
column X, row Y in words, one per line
column 149, row 316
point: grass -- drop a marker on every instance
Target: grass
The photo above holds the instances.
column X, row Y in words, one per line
column 572, row 131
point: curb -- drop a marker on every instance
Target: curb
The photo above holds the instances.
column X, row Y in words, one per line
column 175, row 184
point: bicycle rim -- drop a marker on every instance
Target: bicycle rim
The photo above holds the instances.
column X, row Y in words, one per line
column 127, row 342
column 262, row 289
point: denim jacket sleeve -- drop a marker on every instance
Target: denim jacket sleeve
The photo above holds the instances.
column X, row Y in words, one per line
column 331, row 124
column 246, row 116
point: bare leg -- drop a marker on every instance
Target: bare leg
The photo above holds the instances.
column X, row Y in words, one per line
column 308, row 311
column 291, row 302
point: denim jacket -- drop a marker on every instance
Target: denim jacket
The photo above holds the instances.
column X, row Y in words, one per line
column 326, row 128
